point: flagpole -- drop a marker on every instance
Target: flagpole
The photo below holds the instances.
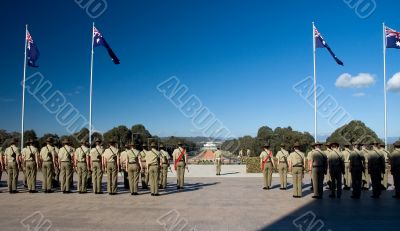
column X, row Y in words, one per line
column 315, row 85
column 91, row 84
column 23, row 91
column 384, row 83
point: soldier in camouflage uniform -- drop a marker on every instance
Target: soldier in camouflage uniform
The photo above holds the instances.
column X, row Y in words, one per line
column 81, row 163
column 267, row 166
column 48, row 160
column 30, row 160
column 387, row 156
column 366, row 179
column 282, row 157
column 376, row 168
column 328, row 179
column 395, row 168
column 65, row 157
column 164, row 167
column 357, row 168
column 318, row 163
column 112, row 166
column 2, row 166
column 347, row 176
column 96, row 166
column 144, row 171
column 123, row 164
column 133, row 166
column 336, row 168
column 297, row 161
column 13, row 162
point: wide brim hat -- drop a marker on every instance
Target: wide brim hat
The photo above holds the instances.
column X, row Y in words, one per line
column 50, row 140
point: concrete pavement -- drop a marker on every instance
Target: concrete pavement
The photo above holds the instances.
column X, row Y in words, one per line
column 206, row 203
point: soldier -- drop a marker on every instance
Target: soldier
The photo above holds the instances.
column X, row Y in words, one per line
column 132, row 166
column 296, row 167
column 318, row 163
column 328, row 179
column 164, row 167
column 13, row 163
column 336, row 168
column 56, row 171
column 153, row 165
column 48, row 160
column 2, row 166
column 81, row 163
column 30, row 160
column 282, row 157
column 308, row 159
column 376, row 168
column 65, row 157
column 387, row 156
column 218, row 160
column 144, row 172
column 347, row 176
column 111, row 164
column 366, row 179
column 180, row 160
column 96, row 164
column 267, row 166
column 357, row 167
column 395, row 168
column 122, row 160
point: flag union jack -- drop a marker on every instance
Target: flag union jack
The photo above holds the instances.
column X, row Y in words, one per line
column 392, row 38
column 32, row 51
column 98, row 40
column 321, row 43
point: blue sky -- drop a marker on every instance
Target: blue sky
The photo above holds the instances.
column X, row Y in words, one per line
column 240, row 58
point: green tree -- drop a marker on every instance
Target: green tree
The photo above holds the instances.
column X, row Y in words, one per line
column 355, row 131
column 140, row 134
column 121, row 134
column 265, row 133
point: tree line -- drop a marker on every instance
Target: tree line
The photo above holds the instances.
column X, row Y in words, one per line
column 355, row 131
column 122, row 134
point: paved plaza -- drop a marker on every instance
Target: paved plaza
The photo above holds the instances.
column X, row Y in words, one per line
column 206, row 203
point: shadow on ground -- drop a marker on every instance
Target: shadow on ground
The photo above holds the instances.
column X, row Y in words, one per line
column 343, row 214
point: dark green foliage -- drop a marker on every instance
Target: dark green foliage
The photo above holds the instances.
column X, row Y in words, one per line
column 355, row 131
column 252, row 164
column 273, row 137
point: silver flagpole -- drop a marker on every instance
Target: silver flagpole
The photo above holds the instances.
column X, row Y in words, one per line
column 91, row 84
column 315, row 86
column 384, row 82
column 23, row 91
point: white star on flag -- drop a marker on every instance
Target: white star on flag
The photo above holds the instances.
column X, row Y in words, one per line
column 398, row 43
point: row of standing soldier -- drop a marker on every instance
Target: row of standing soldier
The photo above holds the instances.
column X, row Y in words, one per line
column 358, row 167
column 150, row 164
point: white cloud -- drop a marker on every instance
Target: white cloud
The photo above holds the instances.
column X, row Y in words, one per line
column 394, row 83
column 345, row 80
column 359, row 94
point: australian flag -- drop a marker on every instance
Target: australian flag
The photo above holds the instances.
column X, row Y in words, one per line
column 320, row 43
column 32, row 51
column 98, row 40
column 392, row 38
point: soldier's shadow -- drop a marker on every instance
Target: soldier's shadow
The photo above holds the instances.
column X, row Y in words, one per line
column 189, row 187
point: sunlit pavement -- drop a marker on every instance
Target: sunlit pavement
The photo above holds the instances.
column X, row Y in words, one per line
column 206, row 203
